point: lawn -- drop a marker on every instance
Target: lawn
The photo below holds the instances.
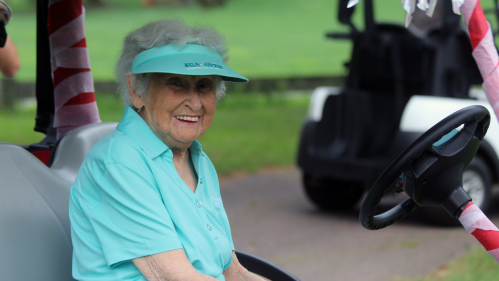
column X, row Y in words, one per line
column 249, row 132
column 254, row 131
column 266, row 39
column 477, row 265
column 279, row 38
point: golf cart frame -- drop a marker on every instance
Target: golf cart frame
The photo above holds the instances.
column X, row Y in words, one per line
column 35, row 237
column 352, row 133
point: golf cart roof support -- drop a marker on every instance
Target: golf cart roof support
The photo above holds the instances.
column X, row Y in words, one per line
column 368, row 15
column 44, row 86
column 345, row 17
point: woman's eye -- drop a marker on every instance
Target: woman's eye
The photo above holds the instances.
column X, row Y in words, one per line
column 205, row 85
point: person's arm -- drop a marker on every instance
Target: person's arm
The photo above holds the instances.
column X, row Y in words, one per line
column 9, row 59
column 237, row 272
column 174, row 265
column 171, row 265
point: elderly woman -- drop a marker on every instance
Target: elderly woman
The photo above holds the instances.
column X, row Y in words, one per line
column 146, row 202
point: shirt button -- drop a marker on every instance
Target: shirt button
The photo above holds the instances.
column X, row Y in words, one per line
column 199, row 203
column 209, row 227
column 200, row 180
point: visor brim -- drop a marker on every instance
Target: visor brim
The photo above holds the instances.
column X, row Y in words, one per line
column 190, row 64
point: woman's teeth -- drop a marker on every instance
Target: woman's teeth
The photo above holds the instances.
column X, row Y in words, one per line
column 188, row 118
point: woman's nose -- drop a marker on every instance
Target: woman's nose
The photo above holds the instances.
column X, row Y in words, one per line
column 194, row 101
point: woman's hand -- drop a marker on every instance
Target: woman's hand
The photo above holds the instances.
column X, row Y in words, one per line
column 236, row 272
column 171, row 265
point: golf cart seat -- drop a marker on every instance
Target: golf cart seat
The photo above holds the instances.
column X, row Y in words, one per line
column 35, row 239
column 35, row 235
column 389, row 60
column 71, row 149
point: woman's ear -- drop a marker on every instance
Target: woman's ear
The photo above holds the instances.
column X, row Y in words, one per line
column 137, row 100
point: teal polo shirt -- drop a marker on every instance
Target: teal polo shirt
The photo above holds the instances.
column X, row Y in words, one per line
column 128, row 201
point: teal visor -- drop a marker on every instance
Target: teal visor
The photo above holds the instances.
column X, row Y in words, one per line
column 190, row 60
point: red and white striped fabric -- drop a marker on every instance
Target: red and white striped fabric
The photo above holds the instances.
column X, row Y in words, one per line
column 74, row 97
column 487, row 59
column 476, row 223
column 484, row 50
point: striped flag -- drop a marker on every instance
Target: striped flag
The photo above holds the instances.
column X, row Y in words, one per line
column 476, row 223
column 484, row 50
column 487, row 59
column 74, row 97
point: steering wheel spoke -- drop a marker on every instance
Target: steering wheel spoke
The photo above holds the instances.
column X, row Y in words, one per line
column 423, row 163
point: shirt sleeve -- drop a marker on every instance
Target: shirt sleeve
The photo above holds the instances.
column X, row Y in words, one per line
column 131, row 220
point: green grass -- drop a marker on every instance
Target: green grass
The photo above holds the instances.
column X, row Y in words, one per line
column 477, row 265
column 279, row 38
column 249, row 132
column 17, row 127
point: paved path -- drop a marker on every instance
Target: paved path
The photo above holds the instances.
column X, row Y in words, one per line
column 271, row 218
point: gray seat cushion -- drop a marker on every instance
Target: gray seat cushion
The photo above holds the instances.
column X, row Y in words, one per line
column 75, row 145
column 35, row 237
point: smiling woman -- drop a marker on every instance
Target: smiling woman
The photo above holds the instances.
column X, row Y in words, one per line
column 146, row 202
column 178, row 108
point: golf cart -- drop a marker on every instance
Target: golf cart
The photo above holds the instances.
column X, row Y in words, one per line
column 399, row 84
column 35, row 236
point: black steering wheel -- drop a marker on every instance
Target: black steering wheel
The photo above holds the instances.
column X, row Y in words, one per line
column 431, row 169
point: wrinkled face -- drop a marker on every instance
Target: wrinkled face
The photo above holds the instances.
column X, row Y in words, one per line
column 178, row 108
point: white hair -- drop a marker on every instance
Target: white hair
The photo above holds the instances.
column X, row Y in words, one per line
column 160, row 33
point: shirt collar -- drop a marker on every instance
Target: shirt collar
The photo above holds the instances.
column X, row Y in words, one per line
column 196, row 148
column 136, row 128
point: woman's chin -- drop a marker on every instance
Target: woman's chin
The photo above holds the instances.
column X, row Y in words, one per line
column 188, row 135
column 181, row 141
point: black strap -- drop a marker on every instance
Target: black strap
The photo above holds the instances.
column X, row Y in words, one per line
column 44, row 87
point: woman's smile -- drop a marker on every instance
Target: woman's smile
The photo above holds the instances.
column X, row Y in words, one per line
column 188, row 119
